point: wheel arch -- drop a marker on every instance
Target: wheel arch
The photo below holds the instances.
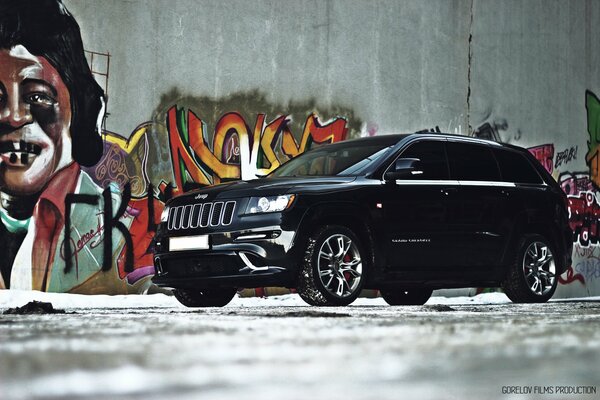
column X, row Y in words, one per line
column 527, row 225
column 351, row 216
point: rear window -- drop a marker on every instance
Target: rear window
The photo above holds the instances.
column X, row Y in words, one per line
column 515, row 167
column 472, row 162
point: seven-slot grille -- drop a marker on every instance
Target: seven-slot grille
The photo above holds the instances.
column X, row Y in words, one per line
column 217, row 213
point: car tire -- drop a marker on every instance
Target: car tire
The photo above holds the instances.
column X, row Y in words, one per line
column 532, row 276
column 333, row 268
column 205, row 298
column 406, row 297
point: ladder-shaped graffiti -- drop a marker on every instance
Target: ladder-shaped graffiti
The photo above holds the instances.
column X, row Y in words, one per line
column 99, row 65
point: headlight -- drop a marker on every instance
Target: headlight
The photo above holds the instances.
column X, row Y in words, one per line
column 164, row 216
column 269, row 204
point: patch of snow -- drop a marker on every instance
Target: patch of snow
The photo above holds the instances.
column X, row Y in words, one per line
column 18, row 298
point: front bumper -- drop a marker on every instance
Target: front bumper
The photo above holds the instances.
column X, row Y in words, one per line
column 249, row 259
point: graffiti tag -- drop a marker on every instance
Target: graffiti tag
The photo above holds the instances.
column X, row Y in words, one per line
column 589, row 268
column 545, row 155
column 566, row 156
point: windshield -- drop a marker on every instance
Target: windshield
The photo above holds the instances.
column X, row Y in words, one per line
column 330, row 160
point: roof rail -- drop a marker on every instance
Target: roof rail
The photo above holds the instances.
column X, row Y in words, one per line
column 432, row 130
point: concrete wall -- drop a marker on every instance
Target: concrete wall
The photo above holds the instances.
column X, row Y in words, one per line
column 401, row 66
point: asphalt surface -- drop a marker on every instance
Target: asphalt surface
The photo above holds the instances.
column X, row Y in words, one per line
column 274, row 350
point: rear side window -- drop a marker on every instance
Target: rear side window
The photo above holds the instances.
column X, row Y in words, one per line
column 472, row 162
column 515, row 167
column 432, row 156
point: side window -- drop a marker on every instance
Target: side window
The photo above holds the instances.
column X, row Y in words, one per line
column 514, row 167
column 432, row 156
column 472, row 162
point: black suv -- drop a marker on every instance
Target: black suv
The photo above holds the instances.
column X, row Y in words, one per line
column 404, row 214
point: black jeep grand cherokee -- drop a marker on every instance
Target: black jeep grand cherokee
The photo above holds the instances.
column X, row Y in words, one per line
column 404, row 214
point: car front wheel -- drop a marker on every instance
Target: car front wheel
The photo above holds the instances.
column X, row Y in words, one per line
column 205, row 297
column 332, row 271
column 532, row 276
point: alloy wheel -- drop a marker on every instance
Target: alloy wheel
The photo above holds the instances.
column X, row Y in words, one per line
column 539, row 268
column 339, row 265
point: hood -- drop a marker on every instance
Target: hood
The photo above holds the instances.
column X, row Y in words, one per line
column 265, row 187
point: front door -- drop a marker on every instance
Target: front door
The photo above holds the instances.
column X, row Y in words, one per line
column 418, row 214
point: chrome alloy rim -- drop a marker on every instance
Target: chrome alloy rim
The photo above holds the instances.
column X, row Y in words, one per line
column 339, row 265
column 539, row 268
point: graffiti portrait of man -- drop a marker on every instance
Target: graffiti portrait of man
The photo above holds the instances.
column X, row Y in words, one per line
column 51, row 110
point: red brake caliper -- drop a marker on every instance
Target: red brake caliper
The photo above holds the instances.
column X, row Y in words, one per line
column 346, row 273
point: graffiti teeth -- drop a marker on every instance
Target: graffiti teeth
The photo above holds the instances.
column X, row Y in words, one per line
column 17, row 158
column 20, row 147
column 6, row 147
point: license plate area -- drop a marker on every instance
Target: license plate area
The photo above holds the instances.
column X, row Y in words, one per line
column 182, row 243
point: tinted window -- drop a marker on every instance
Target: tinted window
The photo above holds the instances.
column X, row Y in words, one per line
column 515, row 167
column 433, row 159
column 472, row 162
column 349, row 158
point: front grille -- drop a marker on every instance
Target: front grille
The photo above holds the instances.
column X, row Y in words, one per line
column 201, row 215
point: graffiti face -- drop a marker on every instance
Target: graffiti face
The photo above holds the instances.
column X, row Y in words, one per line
column 35, row 118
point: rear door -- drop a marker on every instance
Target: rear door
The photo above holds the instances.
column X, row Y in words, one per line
column 479, row 223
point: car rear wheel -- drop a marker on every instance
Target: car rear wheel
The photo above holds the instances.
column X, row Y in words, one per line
column 532, row 277
column 406, row 297
column 332, row 271
column 205, row 297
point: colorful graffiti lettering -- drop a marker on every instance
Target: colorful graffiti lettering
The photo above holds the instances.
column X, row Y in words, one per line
column 584, row 218
column 237, row 151
column 545, row 155
column 573, row 183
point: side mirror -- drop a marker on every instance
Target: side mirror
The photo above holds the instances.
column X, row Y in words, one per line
column 404, row 168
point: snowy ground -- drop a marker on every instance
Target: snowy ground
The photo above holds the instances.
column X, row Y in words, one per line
column 150, row 347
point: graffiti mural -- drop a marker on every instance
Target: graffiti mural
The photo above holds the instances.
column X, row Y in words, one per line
column 582, row 191
column 62, row 229
column 79, row 204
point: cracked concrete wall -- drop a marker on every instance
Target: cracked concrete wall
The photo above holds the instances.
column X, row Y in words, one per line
column 532, row 62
